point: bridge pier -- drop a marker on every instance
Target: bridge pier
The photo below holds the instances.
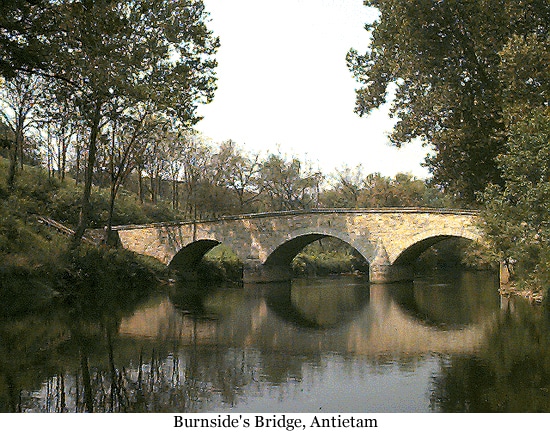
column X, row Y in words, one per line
column 386, row 273
column 255, row 272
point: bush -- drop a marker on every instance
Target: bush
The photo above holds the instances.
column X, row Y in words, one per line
column 326, row 257
column 161, row 212
column 220, row 264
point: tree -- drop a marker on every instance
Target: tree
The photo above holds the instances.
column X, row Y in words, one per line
column 355, row 190
column 443, row 59
column 195, row 158
column 61, row 125
column 349, row 183
column 287, row 185
column 126, row 139
column 156, row 52
column 175, row 148
column 18, row 99
column 24, row 27
column 154, row 162
column 516, row 218
column 240, row 172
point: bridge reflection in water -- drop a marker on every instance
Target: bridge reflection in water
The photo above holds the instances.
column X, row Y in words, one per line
column 340, row 315
column 330, row 345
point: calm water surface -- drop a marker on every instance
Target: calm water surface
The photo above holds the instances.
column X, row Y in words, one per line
column 443, row 343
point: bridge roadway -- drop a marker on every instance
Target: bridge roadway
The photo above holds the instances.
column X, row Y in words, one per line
column 389, row 239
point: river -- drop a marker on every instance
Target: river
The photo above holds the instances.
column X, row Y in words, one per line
column 443, row 343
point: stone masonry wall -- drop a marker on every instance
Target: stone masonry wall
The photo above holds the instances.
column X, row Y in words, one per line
column 381, row 235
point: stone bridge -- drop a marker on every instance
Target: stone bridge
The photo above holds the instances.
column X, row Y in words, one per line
column 389, row 239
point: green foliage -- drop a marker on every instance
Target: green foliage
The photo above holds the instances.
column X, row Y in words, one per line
column 352, row 189
column 23, row 27
column 103, row 271
column 25, row 245
column 160, row 212
column 328, row 256
column 453, row 253
column 288, row 184
column 443, row 59
column 37, row 193
column 221, row 264
column 516, row 218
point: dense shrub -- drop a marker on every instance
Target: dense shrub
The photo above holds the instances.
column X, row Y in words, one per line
column 220, row 264
column 326, row 257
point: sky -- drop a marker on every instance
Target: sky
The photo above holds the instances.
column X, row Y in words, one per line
column 283, row 85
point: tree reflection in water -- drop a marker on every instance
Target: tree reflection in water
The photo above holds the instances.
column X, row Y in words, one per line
column 511, row 372
column 198, row 349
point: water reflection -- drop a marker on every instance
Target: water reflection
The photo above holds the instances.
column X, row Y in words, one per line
column 510, row 374
column 450, row 300
column 319, row 303
column 331, row 344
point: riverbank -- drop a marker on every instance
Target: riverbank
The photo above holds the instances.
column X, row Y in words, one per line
column 38, row 260
column 511, row 290
column 83, row 271
column 32, row 251
column 28, row 248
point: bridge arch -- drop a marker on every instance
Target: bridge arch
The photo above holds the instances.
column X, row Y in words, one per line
column 286, row 248
column 386, row 238
column 420, row 242
column 187, row 261
column 191, row 254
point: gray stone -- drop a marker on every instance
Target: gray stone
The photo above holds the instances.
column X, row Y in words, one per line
column 389, row 239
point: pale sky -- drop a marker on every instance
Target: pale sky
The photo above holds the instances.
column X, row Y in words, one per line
column 283, row 81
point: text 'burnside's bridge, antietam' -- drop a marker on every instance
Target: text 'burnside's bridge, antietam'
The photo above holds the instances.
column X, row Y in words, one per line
column 389, row 239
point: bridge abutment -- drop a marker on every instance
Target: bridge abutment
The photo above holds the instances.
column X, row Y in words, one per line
column 255, row 272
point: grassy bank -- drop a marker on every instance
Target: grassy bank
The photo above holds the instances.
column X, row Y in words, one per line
column 33, row 253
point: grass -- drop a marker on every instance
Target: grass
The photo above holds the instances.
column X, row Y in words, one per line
column 35, row 253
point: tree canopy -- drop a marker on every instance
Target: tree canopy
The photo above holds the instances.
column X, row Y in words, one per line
column 119, row 63
column 444, row 60
column 516, row 214
column 23, row 27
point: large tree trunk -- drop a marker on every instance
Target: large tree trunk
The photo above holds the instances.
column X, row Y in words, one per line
column 15, row 152
column 140, row 184
column 92, row 153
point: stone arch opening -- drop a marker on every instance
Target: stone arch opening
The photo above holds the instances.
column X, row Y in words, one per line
column 284, row 254
column 410, row 254
column 188, row 258
column 190, row 264
column 413, row 252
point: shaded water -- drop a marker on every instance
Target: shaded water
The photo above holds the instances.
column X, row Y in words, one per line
column 443, row 343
